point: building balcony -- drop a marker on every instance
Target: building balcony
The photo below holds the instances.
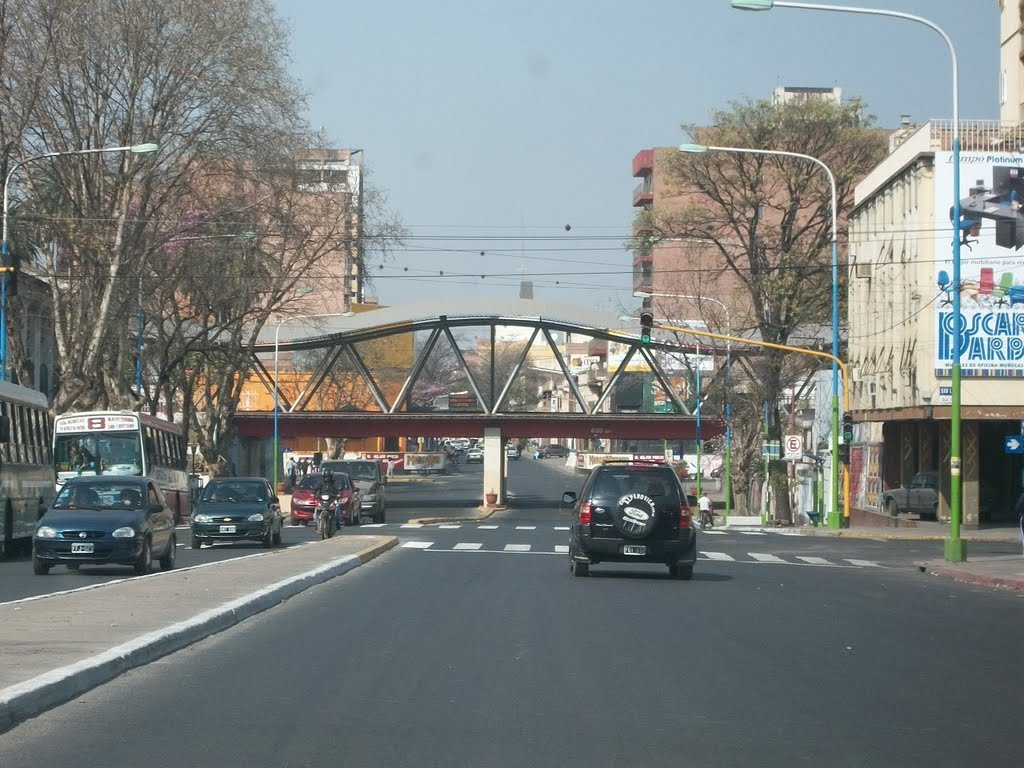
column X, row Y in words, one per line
column 643, row 163
column 643, row 258
column 642, row 282
column 643, row 195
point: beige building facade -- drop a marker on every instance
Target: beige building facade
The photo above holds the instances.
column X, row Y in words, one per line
column 901, row 295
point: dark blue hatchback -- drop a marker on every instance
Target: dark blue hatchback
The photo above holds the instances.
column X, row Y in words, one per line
column 105, row 521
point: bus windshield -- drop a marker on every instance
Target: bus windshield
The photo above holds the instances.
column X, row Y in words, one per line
column 98, row 453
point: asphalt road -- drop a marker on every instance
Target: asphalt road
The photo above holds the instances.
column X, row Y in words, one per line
column 492, row 654
column 536, row 489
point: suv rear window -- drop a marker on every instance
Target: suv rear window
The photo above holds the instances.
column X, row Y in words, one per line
column 656, row 482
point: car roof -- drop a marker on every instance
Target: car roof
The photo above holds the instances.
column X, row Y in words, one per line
column 213, row 480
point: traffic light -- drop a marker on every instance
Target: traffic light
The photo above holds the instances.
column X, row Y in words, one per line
column 844, row 453
column 847, row 428
column 646, row 321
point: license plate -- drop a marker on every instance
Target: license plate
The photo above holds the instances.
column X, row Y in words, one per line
column 634, row 549
column 227, row 529
column 82, row 549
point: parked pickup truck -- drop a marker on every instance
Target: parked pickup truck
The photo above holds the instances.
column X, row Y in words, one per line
column 921, row 497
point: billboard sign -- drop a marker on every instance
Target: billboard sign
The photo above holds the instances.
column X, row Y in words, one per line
column 991, row 232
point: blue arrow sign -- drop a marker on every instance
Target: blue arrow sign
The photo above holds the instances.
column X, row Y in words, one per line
column 1013, row 444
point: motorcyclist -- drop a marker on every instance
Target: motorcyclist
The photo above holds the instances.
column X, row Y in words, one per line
column 329, row 486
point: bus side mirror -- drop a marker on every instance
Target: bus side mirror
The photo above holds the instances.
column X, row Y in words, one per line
column 5, row 429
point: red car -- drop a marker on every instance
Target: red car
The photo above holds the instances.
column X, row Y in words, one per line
column 304, row 499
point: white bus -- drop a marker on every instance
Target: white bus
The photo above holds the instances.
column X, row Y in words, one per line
column 123, row 443
column 26, row 464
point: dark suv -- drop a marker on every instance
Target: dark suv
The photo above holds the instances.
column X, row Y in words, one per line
column 632, row 513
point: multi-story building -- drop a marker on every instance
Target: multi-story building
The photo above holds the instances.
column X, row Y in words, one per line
column 338, row 171
column 1011, row 62
column 901, row 316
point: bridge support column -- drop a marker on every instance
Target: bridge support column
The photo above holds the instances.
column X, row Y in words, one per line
column 494, row 463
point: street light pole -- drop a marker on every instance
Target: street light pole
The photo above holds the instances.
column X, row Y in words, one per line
column 4, row 248
column 835, row 520
column 727, row 481
column 955, row 547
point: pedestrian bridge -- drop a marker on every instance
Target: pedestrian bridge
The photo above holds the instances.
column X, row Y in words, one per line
column 493, row 368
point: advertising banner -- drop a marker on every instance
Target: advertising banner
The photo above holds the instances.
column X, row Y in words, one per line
column 991, row 232
column 424, row 462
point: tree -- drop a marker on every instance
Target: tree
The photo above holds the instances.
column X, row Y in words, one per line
column 208, row 82
column 767, row 220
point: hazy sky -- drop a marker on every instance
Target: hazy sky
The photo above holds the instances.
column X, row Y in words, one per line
column 493, row 124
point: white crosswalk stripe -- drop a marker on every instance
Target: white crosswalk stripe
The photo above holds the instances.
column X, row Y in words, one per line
column 374, row 525
column 487, row 527
column 412, row 525
column 753, row 533
column 449, row 527
column 813, row 560
column 862, row 563
column 765, row 558
column 526, row 527
column 517, row 547
column 712, row 533
column 562, row 528
column 417, row 544
column 562, row 548
column 468, row 545
column 717, row 556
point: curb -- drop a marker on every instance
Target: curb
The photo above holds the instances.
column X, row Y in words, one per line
column 966, row 577
column 853, row 533
column 33, row 697
column 488, row 511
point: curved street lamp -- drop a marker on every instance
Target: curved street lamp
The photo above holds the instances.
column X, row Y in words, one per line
column 955, row 547
column 138, row 149
column 834, row 519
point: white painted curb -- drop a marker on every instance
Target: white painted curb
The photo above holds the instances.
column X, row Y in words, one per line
column 25, row 700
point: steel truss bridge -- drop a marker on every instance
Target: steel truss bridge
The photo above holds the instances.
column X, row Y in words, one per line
column 535, row 323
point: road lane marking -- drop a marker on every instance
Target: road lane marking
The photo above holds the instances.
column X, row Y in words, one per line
column 487, row 527
column 763, row 558
column 518, row 547
column 411, row 525
column 813, row 560
column 449, row 527
column 526, row 527
column 753, row 533
column 718, row 556
column 712, row 533
column 374, row 525
column 863, row 563
column 562, row 528
column 468, row 545
column 562, row 548
column 416, row 544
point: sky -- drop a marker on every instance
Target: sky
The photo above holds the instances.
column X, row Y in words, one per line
column 503, row 131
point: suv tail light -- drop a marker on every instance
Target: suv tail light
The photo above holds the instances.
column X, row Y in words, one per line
column 585, row 512
column 684, row 517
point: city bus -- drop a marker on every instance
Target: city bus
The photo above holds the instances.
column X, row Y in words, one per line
column 124, row 443
column 26, row 464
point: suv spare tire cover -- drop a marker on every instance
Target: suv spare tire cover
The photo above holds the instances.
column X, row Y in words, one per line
column 635, row 515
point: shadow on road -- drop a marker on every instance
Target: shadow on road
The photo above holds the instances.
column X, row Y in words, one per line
column 698, row 575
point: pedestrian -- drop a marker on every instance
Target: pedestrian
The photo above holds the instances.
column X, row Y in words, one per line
column 391, row 466
column 1019, row 510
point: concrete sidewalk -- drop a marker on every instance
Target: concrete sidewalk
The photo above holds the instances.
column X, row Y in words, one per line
column 994, row 571
column 55, row 647
column 926, row 530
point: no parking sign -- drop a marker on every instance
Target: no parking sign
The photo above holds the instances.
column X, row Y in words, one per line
column 794, row 445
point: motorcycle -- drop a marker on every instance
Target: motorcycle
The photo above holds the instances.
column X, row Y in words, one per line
column 325, row 517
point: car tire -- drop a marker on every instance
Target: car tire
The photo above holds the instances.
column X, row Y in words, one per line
column 681, row 572
column 196, row 542
column 39, row 568
column 580, row 569
column 73, row 566
column 892, row 507
column 167, row 561
column 145, row 560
